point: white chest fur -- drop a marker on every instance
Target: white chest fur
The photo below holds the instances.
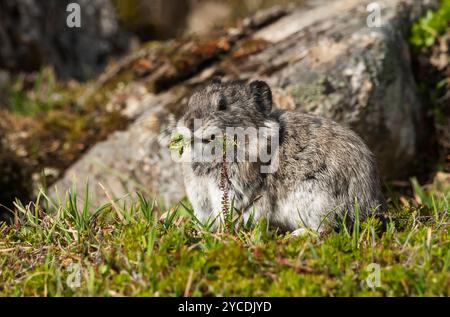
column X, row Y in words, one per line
column 306, row 206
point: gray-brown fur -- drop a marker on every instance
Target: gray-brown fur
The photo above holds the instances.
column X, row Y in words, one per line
column 323, row 167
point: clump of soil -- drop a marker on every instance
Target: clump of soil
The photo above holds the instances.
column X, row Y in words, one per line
column 14, row 180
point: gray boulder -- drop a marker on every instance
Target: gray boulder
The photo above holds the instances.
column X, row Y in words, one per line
column 33, row 33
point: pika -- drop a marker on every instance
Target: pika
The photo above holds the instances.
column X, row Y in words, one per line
column 318, row 170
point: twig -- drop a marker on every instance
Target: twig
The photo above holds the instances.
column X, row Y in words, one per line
column 224, row 188
column 187, row 290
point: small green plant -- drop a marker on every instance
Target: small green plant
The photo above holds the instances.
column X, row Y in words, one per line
column 427, row 29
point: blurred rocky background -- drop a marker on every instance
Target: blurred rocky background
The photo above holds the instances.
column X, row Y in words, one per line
column 94, row 104
column 34, row 33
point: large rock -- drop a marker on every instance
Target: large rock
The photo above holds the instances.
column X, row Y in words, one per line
column 326, row 60
column 33, row 33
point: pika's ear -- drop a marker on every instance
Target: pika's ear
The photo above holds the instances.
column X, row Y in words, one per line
column 262, row 95
column 221, row 103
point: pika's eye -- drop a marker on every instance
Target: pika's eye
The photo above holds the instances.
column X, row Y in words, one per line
column 222, row 104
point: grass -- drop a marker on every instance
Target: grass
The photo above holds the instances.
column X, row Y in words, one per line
column 71, row 248
column 40, row 98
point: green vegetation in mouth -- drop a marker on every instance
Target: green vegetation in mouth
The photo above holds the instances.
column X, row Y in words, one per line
column 178, row 142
